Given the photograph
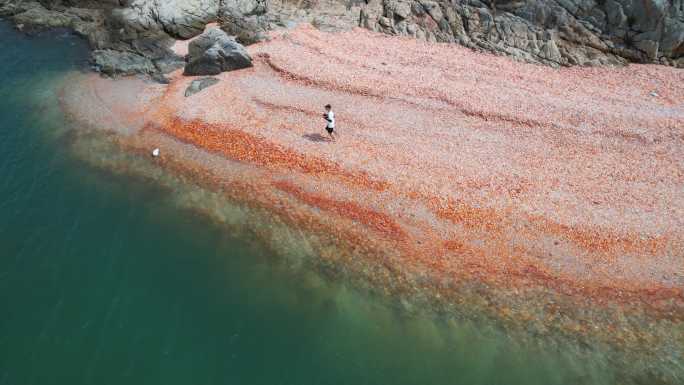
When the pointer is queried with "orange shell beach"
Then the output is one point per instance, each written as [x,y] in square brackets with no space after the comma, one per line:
[542,190]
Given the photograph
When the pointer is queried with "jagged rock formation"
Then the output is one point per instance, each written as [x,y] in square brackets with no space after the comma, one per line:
[131,36]
[556,32]
[244,19]
[181,19]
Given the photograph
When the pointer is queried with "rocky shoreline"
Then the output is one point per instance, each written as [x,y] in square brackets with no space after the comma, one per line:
[135,36]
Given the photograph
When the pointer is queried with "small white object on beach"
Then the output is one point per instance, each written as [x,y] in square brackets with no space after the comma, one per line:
[654,94]
[155,152]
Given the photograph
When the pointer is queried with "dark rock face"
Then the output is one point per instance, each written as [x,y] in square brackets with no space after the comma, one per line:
[214,52]
[198,85]
[118,48]
[113,63]
[551,32]
[554,32]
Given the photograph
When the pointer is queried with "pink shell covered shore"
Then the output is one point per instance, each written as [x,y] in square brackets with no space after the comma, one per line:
[468,164]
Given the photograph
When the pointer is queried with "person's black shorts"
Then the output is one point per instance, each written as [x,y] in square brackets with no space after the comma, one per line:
[329,129]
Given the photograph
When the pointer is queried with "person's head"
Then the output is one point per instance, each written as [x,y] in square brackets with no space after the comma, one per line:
[328,107]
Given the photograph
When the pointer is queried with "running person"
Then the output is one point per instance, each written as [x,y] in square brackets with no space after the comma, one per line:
[330,118]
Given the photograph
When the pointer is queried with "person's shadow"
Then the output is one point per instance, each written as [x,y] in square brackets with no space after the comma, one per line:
[316,138]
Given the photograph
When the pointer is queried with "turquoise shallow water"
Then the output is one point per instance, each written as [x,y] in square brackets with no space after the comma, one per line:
[104,280]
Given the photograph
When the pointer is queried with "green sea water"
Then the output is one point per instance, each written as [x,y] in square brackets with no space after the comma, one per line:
[105,280]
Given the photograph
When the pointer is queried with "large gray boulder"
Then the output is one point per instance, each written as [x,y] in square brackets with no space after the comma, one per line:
[214,52]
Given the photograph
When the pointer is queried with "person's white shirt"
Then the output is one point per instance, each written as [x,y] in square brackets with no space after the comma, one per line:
[331,119]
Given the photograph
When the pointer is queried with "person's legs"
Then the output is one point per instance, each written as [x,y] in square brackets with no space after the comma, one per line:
[330,132]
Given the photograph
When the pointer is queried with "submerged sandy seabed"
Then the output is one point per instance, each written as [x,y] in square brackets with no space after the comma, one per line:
[450,164]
